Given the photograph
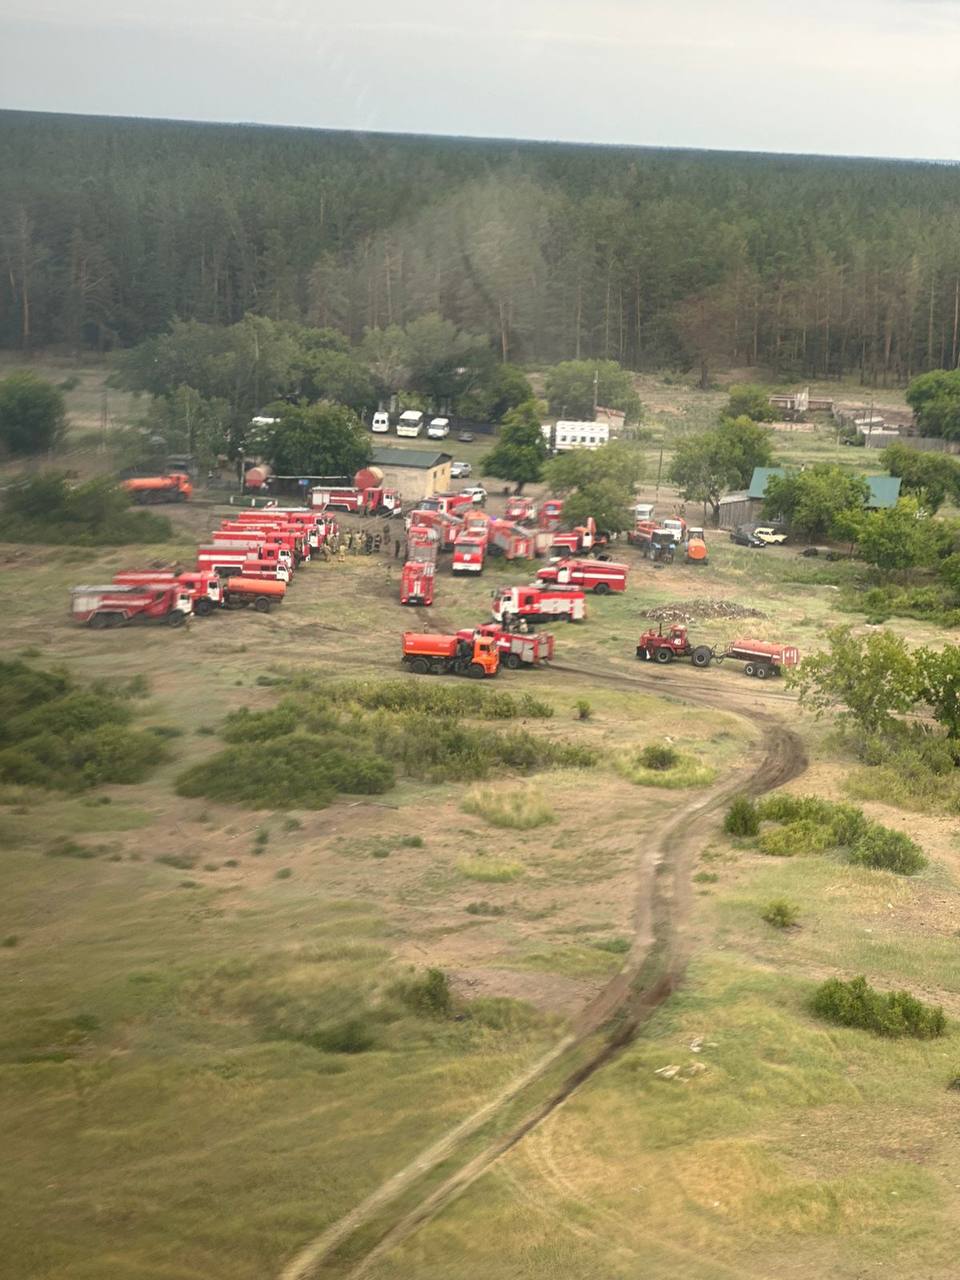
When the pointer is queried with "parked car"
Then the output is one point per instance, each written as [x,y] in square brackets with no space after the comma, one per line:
[477,492]
[770,534]
[466,437]
[460,470]
[744,536]
[381,422]
[438,429]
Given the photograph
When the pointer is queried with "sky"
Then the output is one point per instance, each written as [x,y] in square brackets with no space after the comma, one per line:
[841,77]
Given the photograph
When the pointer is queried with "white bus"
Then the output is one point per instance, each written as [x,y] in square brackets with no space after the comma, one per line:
[410,423]
[576,435]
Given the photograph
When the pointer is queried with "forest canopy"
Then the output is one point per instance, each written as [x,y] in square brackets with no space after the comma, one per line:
[113,229]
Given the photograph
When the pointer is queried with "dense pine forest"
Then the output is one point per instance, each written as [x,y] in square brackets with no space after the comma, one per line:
[111,229]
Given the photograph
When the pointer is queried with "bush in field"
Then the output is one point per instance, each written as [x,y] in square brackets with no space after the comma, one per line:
[660,766]
[434,700]
[54,734]
[888,850]
[522,809]
[780,914]
[742,818]
[658,756]
[298,771]
[893,1013]
[429,996]
[811,825]
[46,508]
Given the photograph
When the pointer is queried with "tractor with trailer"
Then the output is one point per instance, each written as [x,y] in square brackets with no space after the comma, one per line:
[476,655]
[537,604]
[599,576]
[760,658]
[120,606]
[517,648]
[147,490]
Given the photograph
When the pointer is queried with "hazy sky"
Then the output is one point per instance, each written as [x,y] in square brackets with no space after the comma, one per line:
[866,77]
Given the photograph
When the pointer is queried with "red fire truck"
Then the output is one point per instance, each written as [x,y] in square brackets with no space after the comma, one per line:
[521,510]
[469,551]
[416,582]
[598,576]
[224,561]
[551,513]
[362,502]
[451,504]
[205,588]
[537,604]
[447,527]
[517,648]
[510,540]
[583,538]
[119,606]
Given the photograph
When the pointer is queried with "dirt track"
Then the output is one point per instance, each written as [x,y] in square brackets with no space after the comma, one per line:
[654,967]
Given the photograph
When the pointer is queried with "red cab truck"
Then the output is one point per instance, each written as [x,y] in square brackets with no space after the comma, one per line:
[118,606]
[205,588]
[516,649]
[469,551]
[226,561]
[416,582]
[537,604]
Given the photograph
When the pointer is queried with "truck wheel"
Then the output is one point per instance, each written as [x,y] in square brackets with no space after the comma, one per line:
[663,655]
[762,671]
[176,618]
[512,660]
[748,669]
[421,666]
[702,656]
[203,607]
[602,589]
[262,604]
[475,671]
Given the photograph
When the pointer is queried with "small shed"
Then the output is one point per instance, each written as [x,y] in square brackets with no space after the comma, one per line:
[416,473]
[745,505]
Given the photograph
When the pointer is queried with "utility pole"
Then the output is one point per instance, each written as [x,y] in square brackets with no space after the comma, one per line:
[596,391]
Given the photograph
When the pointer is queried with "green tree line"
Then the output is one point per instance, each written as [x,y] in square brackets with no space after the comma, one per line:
[111,229]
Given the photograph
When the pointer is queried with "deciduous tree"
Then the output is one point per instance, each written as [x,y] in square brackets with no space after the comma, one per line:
[521,450]
[709,463]
[32,414]
[865,679]
[815,502]
[317,440]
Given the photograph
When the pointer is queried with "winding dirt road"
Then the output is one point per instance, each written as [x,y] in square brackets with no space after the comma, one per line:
[654,967]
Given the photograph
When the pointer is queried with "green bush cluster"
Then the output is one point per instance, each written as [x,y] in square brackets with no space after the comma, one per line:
[356,737]
[658,756]
[892,1013]
[935,603]
[59,735]
[429,996]
[435,700]
[46,508]
[807,824]
[780,914]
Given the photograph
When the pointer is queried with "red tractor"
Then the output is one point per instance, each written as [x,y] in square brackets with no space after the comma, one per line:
[654,646]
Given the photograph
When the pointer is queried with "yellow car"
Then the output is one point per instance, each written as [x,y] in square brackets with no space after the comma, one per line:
[769,534]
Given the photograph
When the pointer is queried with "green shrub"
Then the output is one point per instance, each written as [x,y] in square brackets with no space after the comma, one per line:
[298,771]
[48,508]
[66,848]
[685,771]
[780,913]
[182,861]
[429,996]
[351,1036]
[616,946]
[658,756]
[521,809]
[894,1013]
[881,848]
[411,842]
[795,839]
[284,873]
[583,709]
[292,824]
[483,909]
[10,940]
[742,818]
[489,870]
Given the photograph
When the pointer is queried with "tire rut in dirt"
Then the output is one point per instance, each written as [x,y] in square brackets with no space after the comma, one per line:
[655,968]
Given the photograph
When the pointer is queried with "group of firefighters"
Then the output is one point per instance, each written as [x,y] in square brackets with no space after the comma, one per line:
[360,542]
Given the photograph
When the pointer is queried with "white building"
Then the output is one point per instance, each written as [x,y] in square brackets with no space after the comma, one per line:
[576,435]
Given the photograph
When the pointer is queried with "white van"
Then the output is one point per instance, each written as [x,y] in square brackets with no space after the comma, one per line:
[410,423]
[381,421]
[439,428]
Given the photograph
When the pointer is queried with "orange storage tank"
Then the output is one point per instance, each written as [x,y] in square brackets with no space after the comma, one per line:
[697,551]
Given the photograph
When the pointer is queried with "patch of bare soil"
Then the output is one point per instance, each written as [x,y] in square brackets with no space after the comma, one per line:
[551,992]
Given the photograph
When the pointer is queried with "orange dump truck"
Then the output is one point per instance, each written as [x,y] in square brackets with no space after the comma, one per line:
[145,490]
[431,654]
